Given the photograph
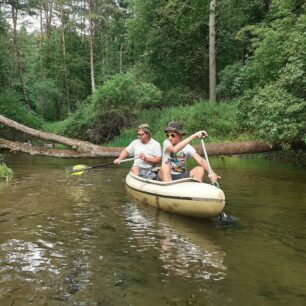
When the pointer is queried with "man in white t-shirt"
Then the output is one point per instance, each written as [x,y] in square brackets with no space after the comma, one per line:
[145,149]
[175,154]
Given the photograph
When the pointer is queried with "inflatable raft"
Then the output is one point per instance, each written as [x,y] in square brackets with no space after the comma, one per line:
[186,197]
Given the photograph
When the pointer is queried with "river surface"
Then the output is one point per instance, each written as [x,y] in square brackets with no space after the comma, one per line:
[79,240]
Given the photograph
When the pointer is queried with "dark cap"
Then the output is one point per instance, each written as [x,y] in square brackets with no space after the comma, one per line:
[144,127]
[175,127]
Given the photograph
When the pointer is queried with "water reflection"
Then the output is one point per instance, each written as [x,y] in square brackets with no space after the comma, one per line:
[182,251]
[25,256]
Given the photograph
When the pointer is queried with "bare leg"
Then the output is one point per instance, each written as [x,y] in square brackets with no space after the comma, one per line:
[165,173]
[197,173]
[135,170]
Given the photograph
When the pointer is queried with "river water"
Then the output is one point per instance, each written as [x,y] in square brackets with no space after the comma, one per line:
[79,240]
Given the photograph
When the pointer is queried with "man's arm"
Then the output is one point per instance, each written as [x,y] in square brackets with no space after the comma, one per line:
[184,143]
[203,163]
[124,154]
[153,160]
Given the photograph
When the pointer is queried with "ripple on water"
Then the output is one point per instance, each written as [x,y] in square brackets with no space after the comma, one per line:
[191,256]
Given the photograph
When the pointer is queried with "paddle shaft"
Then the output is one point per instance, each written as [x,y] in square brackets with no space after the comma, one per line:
[206,156]
[112,163]
[101,165]
[222,215]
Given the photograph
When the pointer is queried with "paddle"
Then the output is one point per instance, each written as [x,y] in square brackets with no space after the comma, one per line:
[79,169]
[222,217]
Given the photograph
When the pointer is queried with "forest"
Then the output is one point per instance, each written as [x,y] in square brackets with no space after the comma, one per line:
[94,69]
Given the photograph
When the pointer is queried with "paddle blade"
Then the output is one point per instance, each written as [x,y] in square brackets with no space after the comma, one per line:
[78,167]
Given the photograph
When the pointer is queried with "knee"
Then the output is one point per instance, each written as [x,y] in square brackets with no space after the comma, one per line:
[197,172]
[200,170]
[135,170]
[165,172]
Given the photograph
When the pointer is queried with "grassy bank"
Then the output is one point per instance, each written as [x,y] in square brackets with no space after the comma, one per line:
[219,120]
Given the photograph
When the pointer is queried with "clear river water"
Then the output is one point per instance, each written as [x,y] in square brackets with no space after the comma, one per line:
[79,240]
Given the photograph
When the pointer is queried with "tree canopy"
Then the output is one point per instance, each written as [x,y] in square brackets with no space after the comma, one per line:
[85,61]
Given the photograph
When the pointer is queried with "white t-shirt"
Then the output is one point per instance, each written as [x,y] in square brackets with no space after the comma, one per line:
[150,149]
[177,161]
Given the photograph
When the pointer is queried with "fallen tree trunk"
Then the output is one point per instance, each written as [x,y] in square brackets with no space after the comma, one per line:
[87,149]
[247,147]
[15,146]
[79,145]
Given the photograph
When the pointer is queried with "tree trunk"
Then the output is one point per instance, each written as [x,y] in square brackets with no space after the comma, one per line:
[87,149]
[48,16]
[15,146]
[78,144]
[212,51]
[17,54]
[42,68]
[120,57]
[91,46]
[65,59]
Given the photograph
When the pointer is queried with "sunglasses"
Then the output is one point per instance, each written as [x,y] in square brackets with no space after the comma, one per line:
[171,135]
[140,134]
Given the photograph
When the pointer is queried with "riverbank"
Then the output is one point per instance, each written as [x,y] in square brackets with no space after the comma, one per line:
[219,120]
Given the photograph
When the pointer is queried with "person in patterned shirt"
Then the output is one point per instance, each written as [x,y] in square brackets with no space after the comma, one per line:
[176,151]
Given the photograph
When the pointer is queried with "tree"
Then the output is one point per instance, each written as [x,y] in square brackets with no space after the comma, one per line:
[91,44]
[212,51]
[16,6]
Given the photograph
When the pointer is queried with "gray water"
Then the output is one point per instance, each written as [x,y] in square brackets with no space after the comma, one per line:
[79,240]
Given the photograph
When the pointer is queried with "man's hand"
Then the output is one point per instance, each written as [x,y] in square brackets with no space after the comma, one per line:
[117,161]
[202,134]
[214,177]
[142,156]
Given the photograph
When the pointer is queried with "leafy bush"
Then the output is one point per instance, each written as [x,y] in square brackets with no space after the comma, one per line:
[178,96]
[51,93]
[12,107]
[76,124]
[126,94]
[274,114]
[219,120]
[6,174]
[106,126]
[230,85]
[273,105]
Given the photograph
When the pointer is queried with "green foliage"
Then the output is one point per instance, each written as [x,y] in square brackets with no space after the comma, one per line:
[260,58]
[6,174]
[274,114]
[5,58]
[230,82]
[111,107]
[219,120]
[11,106]
[273,80]
[169,38]
[179,95]
[124,93]
[47,93]
[76,124]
